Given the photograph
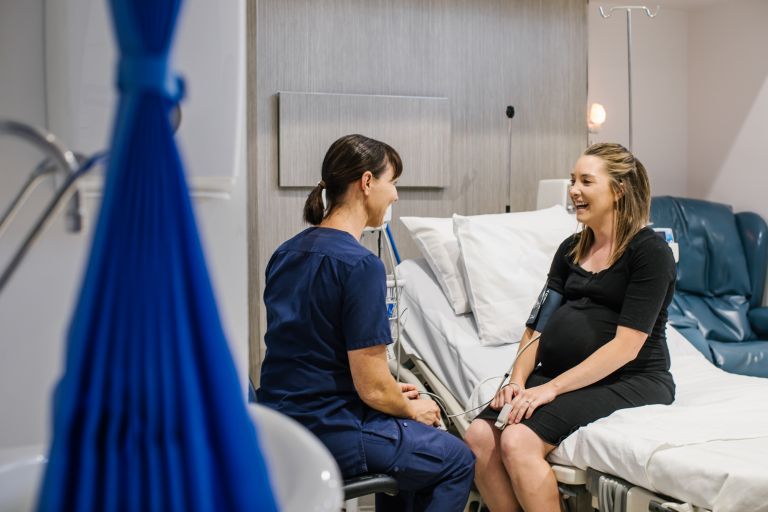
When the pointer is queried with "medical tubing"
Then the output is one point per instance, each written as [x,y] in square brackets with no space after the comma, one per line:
[501,384]
[440,404]
[392,242]
[391,258]
[480,384]
[444,408]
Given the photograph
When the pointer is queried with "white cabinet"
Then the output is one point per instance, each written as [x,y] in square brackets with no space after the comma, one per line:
[209,52]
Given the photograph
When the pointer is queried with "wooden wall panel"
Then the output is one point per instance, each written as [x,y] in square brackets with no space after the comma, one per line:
[480,54]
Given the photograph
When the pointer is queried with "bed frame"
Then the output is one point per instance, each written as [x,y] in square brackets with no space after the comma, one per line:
[580,489]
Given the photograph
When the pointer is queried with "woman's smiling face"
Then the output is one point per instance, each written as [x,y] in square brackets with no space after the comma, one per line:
[592,192]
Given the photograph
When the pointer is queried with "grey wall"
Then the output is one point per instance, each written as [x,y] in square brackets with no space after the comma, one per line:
[36,303]
[481,55]
[728,104]
[659,89]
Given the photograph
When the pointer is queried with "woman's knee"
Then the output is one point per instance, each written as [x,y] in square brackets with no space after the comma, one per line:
[480,438]
[519,444]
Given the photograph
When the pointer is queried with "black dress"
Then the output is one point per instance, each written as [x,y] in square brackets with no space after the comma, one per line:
[633,292]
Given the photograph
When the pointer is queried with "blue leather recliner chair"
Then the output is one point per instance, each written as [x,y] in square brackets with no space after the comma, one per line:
[720,281]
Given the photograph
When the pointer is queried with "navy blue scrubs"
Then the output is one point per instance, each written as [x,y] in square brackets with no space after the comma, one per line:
[325,295]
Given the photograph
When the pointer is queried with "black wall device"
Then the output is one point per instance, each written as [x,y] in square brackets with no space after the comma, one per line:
[510,115]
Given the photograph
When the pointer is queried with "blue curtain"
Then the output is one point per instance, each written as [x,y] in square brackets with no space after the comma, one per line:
[149,414]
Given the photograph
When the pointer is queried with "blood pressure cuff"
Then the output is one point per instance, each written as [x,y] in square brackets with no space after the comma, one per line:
[549,300]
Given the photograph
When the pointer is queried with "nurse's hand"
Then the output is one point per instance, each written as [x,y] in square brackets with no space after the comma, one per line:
[505,395]
[409,391]
[425,411]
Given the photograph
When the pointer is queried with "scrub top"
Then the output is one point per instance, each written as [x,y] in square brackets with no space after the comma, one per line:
[324,295]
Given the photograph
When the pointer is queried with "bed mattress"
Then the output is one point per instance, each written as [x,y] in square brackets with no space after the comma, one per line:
[709,448]
[447,342]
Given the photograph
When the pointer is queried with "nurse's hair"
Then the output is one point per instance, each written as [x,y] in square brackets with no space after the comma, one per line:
[630,181]
[345,162]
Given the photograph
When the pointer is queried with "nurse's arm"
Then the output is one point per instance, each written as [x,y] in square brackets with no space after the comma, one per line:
[604,361]
[379,390]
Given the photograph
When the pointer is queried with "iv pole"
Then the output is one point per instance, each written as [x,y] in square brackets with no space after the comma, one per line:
[629,9]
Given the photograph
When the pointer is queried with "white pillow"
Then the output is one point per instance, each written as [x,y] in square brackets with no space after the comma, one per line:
[506,258]
[440,248]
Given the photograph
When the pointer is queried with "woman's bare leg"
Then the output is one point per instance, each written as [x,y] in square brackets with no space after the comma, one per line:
[491,476]
[523,454]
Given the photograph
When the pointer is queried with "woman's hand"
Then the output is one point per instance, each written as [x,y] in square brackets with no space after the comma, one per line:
[529,399]
[409,391]
[505,395]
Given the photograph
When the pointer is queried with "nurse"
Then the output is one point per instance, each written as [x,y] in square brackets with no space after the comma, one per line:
[327,331]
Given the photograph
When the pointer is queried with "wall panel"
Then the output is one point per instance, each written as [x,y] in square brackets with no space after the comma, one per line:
[420,129]
[481,55]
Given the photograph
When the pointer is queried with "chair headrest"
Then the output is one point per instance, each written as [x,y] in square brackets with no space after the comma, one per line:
[712,261]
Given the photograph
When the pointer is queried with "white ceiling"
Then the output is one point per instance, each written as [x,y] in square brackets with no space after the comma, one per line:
[685,5]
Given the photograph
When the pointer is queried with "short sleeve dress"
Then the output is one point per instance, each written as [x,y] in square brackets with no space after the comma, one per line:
[633,292]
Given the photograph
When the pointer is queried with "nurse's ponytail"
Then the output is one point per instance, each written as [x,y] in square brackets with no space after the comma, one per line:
[345,162]
[314,211]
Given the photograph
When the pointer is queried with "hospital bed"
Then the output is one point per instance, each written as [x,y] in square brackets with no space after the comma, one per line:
[707,451]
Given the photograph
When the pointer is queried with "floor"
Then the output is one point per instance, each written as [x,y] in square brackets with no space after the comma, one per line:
[363,504]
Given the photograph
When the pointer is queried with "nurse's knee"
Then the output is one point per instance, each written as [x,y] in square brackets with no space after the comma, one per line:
[460,452]
[458,459]
[467,457]
[465,467]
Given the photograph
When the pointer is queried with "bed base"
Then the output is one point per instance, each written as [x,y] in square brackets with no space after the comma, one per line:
[581,490]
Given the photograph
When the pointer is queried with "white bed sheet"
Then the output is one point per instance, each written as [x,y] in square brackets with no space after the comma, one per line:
[709,448]
[447,342]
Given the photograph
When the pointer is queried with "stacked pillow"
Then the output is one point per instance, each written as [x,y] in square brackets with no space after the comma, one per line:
[440,247]
[493,265]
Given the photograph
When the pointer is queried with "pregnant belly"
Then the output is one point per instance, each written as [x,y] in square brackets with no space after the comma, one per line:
[573,333]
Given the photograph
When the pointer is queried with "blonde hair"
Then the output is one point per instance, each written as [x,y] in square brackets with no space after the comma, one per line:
[629,181]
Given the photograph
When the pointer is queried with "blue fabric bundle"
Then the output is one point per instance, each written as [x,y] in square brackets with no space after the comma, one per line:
[149,414]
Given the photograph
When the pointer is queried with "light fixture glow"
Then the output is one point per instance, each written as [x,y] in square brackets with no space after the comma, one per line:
[596,117]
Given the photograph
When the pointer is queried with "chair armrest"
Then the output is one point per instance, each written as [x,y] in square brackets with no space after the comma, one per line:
[758,318]
[753,232]
[366,484]
[251,392]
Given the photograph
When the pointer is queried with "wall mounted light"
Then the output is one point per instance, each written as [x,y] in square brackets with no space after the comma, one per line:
[595,117]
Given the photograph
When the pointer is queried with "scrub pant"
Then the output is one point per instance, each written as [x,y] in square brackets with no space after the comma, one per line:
[433,469]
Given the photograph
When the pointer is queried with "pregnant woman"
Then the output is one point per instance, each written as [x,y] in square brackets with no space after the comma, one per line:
[603,346]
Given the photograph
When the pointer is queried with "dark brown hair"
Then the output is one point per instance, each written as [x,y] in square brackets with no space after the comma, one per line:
[630,180]
[345,162]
